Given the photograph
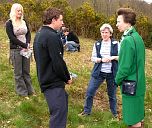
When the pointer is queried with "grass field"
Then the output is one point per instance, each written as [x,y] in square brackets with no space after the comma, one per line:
[16,112]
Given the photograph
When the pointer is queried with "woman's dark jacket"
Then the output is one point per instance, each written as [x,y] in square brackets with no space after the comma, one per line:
[114,52]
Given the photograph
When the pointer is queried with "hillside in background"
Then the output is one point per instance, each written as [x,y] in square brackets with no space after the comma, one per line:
[109,7]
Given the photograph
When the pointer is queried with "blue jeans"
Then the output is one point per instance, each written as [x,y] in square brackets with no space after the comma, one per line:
[72,46]
[111,90]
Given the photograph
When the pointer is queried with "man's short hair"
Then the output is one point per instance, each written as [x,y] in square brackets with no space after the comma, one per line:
[51,13]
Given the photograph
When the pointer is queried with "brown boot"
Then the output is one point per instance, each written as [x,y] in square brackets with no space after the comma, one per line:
[142,124]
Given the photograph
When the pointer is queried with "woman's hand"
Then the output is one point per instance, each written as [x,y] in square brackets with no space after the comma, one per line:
[106,60]
[69,81]
[114,58]
[99,60]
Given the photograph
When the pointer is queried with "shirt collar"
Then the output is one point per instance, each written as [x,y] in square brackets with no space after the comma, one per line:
[127,31]
[46,26]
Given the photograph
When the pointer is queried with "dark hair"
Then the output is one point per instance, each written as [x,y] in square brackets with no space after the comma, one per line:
[51,13]
[128,15]
[65,30]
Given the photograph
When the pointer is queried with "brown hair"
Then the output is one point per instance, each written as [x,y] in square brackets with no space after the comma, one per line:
[49,14]
[128,15]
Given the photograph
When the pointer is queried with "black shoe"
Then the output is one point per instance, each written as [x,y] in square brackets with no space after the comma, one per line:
[115,117]
[83,114]
[78,48]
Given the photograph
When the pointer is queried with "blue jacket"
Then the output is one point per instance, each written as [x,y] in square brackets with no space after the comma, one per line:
[114,52]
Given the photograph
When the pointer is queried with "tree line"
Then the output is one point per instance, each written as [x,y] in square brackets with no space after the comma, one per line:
[108,7]
[84,19]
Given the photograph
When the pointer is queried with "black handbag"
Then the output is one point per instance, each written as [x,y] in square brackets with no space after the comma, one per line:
[129,86]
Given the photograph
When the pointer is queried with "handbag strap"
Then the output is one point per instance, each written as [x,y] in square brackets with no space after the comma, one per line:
[136,57]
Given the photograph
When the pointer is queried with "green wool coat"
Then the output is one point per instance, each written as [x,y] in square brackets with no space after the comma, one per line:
[132,106]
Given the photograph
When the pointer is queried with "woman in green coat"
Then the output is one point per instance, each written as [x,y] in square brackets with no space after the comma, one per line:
[132,106]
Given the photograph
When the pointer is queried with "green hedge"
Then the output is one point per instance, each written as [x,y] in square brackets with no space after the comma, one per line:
[83,20]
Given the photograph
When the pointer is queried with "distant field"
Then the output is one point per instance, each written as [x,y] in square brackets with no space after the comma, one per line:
[16,112]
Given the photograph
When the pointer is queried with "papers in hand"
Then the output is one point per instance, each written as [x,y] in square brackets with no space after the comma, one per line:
[26,53]
[73,75]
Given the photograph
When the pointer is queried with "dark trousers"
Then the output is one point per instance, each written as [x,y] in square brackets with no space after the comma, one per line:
[57,100]
[22,73]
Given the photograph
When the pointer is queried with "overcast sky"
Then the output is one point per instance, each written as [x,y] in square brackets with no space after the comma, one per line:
[148,1]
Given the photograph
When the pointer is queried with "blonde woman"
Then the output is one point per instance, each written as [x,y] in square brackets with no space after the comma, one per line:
[19,37]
